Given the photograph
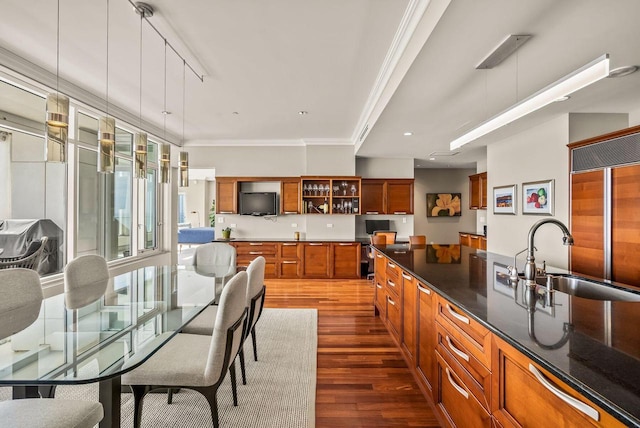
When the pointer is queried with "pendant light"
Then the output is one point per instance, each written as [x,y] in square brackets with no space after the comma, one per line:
[141,137]
[57,114]
[107,126]
[184,156]
[165,149]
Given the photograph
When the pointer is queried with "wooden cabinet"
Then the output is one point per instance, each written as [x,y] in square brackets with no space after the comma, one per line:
[289,260]
[587,223]
[524,394]
[425,334]
[345,259]
[330,195]
[380,279]
[290,196]
[387,196]
[315,258]
[394,300]
[409,309]
[473,240]
[226,196]
[478,191]
[247,251]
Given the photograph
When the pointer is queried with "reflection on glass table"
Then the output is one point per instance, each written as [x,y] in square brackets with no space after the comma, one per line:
[140,311]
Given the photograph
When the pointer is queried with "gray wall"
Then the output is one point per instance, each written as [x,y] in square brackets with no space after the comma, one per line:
[443,230]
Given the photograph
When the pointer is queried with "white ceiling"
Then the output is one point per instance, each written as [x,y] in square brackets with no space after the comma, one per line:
[267,60]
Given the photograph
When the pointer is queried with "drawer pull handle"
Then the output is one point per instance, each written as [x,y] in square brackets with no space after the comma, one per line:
[346,244]
[255,243]
[291,212]
[316,244]
[473,237]
[288,244]
[372,212]
[424,290]
[464,236]
[379,256]
[457,387]
[407,277]
[289,262]
[576,404]
[457,315]
[399,212]
[255,252]
[391,301]
[379,286]
[225,212]
[391,283]
[456,351]
[391,265]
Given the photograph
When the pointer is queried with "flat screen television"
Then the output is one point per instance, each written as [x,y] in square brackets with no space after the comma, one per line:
[373,225]
[258,203]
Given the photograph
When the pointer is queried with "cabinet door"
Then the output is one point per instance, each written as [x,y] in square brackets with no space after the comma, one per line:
[587,223]
[474,192]
[483,191]
[289,260]
[409,299]
[226,196]
[425,361]
[290,196]
[315,260]
[373,201]
[346,260]
[399,196]
[523,394]
[625,224]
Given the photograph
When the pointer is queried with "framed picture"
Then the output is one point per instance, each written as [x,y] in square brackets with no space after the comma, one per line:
[537,197]
[444,204]
[504,199]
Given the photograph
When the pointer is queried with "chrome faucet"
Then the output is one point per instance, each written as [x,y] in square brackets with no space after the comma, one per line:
[530,271]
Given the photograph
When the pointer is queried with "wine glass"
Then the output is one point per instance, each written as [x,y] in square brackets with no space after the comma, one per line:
[327,189]
[344,188]
[315,190]
[305,189]
[349,205]
[335,189]
[353,190]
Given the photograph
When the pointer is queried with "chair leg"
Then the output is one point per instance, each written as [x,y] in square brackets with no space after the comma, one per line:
[234,387]
[139,391]
[242,371]
[253,340]
[211,395]
[169,396]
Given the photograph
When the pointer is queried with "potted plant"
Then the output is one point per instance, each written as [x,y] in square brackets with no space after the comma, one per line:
[212,214]
[226,233]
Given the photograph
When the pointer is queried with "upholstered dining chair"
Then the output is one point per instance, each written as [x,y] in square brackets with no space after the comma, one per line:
[216,259]
[418,240]
[85,280]
[209,358]
[391,235]
[375,240]
[19,308]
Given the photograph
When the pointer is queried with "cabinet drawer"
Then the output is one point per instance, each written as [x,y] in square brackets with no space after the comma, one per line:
[476,377]
[270,270]
[381,297]
[288,268]
[256,248]
[289,251]
[454,400]
[473,336]
[394,287]
[394,315]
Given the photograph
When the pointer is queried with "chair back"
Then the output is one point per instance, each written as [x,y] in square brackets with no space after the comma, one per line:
[30,259]
[21,300]
[255,290]
[85,280]
[379,240]
[391,235]
[228,328]
[215,258]
[418,240]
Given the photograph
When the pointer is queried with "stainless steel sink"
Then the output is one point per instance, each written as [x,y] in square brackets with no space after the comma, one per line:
[590,289]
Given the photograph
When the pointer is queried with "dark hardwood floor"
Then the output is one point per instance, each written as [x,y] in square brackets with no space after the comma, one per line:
[363,381]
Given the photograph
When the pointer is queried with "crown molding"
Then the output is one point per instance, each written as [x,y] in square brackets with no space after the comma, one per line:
[303,142]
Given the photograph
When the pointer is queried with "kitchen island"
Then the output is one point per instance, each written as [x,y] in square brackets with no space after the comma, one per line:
[467,332]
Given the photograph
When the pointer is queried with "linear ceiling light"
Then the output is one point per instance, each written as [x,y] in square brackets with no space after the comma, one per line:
[584,76]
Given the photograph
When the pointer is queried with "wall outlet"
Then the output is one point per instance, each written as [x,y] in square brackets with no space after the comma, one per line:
[294,224]
[220,219]
[329,225]
[404,219]
[482,219]
[233,225]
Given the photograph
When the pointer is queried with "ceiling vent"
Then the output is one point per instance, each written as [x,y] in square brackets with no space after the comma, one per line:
[442,154]
[508,46]
[364,132]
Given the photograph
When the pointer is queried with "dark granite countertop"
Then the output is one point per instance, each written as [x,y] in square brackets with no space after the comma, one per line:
[286,240]
[600,355]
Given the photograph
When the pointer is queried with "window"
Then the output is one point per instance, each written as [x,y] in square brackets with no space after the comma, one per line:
[182,213]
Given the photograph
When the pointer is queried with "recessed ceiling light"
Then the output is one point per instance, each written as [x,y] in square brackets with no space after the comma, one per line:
[165,112]
[303,112]
[408,134]
[432,158]
[418,165]
[234,112]
[623,71]
[559,100]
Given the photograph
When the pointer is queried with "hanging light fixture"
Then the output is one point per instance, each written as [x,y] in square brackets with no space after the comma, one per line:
[57,114]
[141,137]
[165,149]
[184,156]
[107,127]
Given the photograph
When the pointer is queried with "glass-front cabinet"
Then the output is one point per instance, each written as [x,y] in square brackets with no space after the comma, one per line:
[330,195]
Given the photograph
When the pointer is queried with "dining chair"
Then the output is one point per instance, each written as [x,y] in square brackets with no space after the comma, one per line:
[418,240]
[374,240]
[391,235]
[194,361]
[19,308]
[217,259]
[85,280]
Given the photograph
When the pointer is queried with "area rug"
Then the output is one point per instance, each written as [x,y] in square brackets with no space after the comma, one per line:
[280,390]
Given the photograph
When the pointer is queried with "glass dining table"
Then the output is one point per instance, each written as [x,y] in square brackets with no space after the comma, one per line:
[141,311]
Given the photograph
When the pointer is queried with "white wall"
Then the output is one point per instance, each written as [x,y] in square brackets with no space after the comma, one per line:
[384,167]
[443,230]
[587,125]
[330,160]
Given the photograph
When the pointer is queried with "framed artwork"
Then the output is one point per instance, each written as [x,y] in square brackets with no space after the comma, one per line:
[444,204]
[537,197]
[504,199]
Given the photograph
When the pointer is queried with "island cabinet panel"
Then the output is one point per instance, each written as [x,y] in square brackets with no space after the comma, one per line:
[380,280]
[290,196]
[409,309]
[316,260]
[455,402]
[425,358]
[394,300]
[399,196]
[345,259]
[289,260]
[226,196]
[525,395]
[373,196]
[625,224]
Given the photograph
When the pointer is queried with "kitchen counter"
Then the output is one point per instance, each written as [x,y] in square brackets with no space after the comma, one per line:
[285,240]
[593,346]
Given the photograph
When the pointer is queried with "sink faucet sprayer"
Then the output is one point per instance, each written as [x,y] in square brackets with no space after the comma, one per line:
[530,267]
